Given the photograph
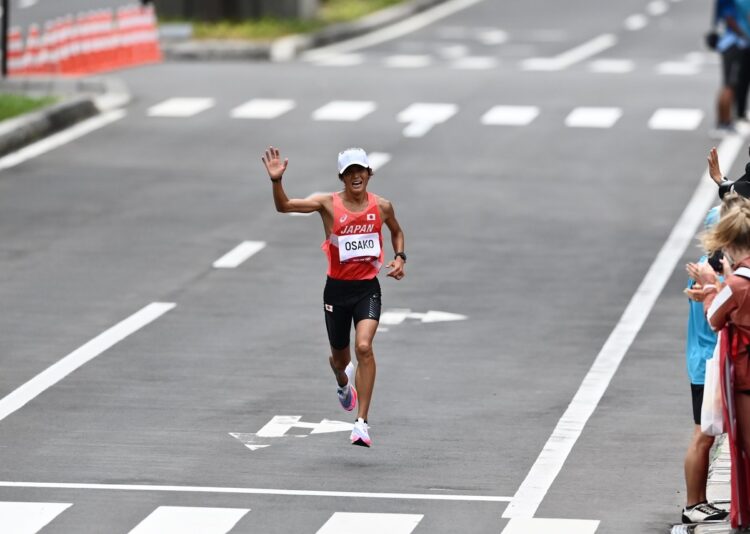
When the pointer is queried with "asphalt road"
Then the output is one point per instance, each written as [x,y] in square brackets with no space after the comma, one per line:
[539,234]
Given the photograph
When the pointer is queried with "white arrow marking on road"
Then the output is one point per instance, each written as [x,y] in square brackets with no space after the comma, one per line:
[438,317]
[422,117]
[248,440]
[327,426]
[279,425]
[399,315]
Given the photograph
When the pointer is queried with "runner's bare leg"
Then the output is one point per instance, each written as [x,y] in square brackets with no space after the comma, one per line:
[365,379]
[339,359]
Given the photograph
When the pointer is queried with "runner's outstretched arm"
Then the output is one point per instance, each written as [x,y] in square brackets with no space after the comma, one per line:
[275,168]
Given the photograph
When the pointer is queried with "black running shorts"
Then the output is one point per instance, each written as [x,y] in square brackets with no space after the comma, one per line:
[347,300]
[697,391]
[732,60]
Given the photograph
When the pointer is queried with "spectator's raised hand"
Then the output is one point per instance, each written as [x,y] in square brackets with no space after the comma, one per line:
[713,166]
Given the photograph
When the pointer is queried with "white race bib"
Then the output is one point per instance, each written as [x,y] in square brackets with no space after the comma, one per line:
[359,247]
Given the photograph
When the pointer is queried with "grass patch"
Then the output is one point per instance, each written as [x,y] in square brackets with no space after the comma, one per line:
[331,11]
[14,105]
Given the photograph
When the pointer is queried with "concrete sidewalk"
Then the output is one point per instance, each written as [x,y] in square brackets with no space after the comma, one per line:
[79,99]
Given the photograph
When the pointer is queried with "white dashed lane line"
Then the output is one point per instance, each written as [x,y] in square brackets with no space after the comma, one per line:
[239,254]
[593,117]
[181,107]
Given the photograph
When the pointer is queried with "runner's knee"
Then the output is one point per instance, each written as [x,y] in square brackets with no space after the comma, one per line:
[364,349]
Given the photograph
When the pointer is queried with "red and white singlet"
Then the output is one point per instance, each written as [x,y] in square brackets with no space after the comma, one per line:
[355,246]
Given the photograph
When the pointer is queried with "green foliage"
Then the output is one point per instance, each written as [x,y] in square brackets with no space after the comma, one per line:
[14,105]
[331,11]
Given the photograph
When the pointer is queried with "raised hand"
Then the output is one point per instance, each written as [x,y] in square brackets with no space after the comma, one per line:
[274,166]
[713,166]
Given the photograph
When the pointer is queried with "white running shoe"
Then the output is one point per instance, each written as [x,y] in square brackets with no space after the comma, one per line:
[360,434]
[348,394]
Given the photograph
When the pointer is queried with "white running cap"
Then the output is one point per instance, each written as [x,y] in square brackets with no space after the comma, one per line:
[353,156]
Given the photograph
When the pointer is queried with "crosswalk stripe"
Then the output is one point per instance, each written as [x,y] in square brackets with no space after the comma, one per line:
[262,108]
[341,60]
[678,68]
[181,107]
[407,61]
[182,519]
[636,22]
[510,115]
[675,119]
[344,110]
[423,116]
[475,63]
[239,254]
[29,517]
[614,66]
[657,8]
[593,117]
[345,523]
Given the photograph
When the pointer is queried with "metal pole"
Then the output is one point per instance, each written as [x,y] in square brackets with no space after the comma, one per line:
[4,36]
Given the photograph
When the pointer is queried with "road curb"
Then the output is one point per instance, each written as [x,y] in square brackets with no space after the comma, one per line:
[81,100]
[287,48]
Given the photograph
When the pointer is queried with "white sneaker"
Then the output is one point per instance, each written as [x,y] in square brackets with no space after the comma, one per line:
[360,434]
[703,512]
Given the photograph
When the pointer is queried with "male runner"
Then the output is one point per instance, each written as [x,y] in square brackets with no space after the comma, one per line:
[352,222]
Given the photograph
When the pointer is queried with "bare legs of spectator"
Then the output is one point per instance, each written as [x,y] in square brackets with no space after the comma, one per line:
[696,466]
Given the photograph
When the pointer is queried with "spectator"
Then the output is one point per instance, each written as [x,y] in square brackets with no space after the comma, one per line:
[733,46]
[727,308]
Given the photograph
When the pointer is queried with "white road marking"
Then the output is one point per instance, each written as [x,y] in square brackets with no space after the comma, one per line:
[657,8]
[344,110]
[61,138]
[552,458]
[341,60]
[181,107]
[636,22]
[572,56]
[239,254]
[183,519]
[545,526]
[612,66]
[24,4]
[399,315]
[346,523]
[29,517]
[407,61]
[492,37]
[255,491]
[422,117]
[378,160]
[455,51]
[675,119]
[510,115]
[87,352]
[475,63]
[262,108]
[678,68]
[393,31]
[593,117]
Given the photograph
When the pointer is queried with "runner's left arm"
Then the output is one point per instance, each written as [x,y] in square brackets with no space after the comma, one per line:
[396,265]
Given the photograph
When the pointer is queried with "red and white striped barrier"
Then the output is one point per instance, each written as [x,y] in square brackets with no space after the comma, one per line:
[91,42]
